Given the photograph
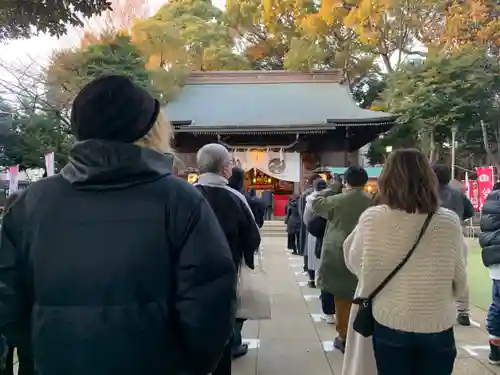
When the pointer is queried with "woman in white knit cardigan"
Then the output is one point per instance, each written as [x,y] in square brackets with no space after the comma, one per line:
[415,312]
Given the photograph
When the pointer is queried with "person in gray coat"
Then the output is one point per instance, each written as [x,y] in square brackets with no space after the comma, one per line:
[454,200]
[303,229]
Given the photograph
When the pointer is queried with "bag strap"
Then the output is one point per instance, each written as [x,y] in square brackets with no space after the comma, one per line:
[404,261]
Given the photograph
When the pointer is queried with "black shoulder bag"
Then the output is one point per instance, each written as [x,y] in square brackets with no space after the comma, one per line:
[364,321]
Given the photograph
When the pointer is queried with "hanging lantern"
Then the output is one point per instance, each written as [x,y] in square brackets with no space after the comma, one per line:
[192,178]
[257,156]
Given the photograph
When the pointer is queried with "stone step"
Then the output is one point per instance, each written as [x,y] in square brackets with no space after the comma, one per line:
[274,234]
[274,223]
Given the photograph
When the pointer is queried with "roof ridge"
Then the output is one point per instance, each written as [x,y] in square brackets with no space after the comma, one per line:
[263,76]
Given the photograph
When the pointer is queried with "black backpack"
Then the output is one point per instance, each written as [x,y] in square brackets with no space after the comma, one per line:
[316,226]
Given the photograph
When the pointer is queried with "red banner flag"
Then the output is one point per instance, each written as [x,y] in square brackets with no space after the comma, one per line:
[484,184]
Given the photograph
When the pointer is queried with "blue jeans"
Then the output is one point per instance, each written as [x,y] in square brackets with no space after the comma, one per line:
[327,303]
[408,353]
[493,318]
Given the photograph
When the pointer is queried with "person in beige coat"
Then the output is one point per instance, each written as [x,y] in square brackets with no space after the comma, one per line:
[358,358]
[414,313]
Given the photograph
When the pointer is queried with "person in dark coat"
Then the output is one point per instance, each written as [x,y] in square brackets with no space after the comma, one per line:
[292,218]
[23,346]
[121,266]
[489,240]
[237,180]
[292,238]
[454,200]
[257,206]
[236,219]
[267,198]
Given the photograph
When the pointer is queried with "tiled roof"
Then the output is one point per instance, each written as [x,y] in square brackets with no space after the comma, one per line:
[268,105]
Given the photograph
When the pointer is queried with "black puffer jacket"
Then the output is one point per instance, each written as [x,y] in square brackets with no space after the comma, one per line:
[489,239]
[123,268]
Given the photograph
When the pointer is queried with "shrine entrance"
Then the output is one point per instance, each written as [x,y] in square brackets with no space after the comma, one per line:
[277,171]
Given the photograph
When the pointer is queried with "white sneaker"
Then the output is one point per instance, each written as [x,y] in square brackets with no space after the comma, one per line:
[330,319]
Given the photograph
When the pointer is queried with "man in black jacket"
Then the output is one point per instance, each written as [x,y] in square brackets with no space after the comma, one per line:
[257,206]
[454,200]
[120,267]
[234,216]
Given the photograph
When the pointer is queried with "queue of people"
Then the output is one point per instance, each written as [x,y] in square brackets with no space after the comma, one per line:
[115,266]
[392,268]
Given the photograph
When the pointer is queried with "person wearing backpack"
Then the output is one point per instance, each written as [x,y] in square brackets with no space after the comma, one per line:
[316,226]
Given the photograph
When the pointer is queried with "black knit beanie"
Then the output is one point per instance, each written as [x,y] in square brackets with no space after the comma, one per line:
[113,108]
[319,184]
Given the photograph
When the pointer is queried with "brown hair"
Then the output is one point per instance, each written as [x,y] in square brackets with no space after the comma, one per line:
[408,183]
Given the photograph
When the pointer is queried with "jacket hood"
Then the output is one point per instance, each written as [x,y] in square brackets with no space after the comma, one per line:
[106,165]
[311,196]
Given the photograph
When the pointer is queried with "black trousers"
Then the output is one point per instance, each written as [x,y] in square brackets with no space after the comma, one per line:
[268,214]
[224,366]
[9,368]
[292,243]
[327,303]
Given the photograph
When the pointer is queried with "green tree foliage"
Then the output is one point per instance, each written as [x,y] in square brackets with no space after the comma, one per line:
[18,18]
[27,135]
[457,90]
[119,56]
[191,33]
[33,136]
[70,70]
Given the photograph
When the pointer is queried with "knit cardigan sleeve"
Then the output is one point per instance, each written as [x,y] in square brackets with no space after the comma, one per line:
[460,278]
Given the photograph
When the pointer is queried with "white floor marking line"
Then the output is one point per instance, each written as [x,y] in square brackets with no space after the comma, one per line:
[328,346]
[310,297]
[474,323]
[252,343]
[316,318]
[298,273]
[296,265]
[473,349]
[302,283]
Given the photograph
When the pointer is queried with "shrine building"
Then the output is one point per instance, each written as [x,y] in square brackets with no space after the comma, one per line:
[279,125]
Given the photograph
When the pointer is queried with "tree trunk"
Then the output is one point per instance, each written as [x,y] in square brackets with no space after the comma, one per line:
[387,62]
[487,148]
[432,146]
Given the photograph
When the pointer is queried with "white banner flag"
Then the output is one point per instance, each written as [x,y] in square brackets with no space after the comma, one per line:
[49,164]
[13,179]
